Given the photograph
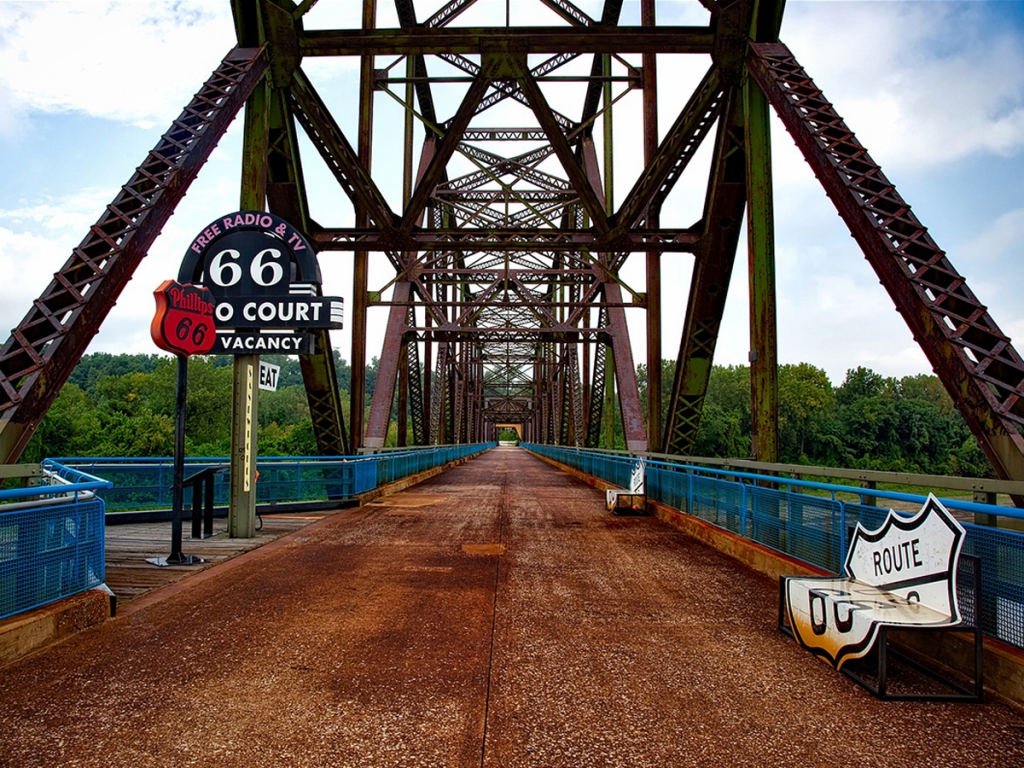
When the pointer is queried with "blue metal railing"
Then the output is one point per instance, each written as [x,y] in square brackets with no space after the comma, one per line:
[790,515]
[145,483]
[51,539]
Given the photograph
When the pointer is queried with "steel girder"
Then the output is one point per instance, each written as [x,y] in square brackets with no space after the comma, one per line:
[422,41]
[723,217]
[286,196]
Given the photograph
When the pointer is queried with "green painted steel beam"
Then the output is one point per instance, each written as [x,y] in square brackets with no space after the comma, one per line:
[764,358]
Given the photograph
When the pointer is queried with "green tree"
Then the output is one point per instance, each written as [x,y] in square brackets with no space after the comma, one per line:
[806,408]
[287,406]
[67,429]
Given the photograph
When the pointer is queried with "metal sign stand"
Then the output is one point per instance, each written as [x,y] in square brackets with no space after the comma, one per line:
[183,325]
[177,557]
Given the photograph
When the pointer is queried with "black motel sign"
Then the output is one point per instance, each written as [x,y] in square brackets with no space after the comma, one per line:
[265,282]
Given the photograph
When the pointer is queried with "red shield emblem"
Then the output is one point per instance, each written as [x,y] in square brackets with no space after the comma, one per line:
[183,323]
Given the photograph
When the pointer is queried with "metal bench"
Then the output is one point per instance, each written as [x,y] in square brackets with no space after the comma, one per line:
[908,577]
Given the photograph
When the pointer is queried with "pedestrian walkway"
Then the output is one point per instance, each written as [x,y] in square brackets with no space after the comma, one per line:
[495,615]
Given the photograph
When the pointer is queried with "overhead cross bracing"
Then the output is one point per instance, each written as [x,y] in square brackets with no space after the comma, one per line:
[519,230]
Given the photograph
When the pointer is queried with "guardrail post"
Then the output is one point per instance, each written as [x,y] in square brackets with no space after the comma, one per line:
[197,509]
[985,497]
[689,492]
[208,507]
[743,508]
[842,528]
[867,499]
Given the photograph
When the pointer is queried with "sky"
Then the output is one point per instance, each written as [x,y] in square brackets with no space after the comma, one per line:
[933,89]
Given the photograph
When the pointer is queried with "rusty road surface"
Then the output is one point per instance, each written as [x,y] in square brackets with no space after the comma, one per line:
[495,615]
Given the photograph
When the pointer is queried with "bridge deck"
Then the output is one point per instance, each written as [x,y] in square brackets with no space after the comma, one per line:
[493,616]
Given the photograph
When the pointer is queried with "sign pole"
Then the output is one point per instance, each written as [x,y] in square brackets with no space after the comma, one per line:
[177,557]
[183,325]
[244,404]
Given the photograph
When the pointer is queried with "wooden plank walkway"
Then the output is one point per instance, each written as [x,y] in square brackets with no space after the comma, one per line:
[129,546]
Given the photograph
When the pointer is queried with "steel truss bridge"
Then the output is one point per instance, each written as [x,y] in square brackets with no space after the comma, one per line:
[507,303]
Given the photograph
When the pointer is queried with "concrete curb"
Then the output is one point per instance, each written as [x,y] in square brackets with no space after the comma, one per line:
[27,632]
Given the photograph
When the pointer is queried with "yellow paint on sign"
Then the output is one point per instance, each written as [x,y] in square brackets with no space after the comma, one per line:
[247,461]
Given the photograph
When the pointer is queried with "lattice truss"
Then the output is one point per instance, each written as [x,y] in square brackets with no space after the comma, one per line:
[507,241]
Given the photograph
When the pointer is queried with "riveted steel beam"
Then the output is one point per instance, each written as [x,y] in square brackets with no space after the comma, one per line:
[577,175]
[343,161]
[498,239]
[764,356]
[716,253]
[529,40]
[387,371]
[443,152]
[286,196]
[653,258]
[681,142]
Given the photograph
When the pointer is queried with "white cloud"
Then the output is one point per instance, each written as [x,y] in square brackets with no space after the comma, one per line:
[921,84]
[1002,239]
[133,62]
[27,262]
[76,212]
[992,265]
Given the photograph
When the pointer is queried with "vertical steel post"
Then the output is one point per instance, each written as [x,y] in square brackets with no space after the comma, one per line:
[609,135]
[585,365]
[388,367]
[764,381]
[244,397]
[625,372]
[608,412]
[403,392]
[360,271]
[410,72]
[242,508]
[650,114]
[428,378]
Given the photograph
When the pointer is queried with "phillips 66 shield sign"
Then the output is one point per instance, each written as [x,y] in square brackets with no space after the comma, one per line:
[183,323]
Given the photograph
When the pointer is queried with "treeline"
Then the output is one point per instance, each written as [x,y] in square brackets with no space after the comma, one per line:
[123,405]
[868,421]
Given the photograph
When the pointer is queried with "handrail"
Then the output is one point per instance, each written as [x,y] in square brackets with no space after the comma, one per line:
[974,484]
[143,483]
[966,506]
[63,486]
